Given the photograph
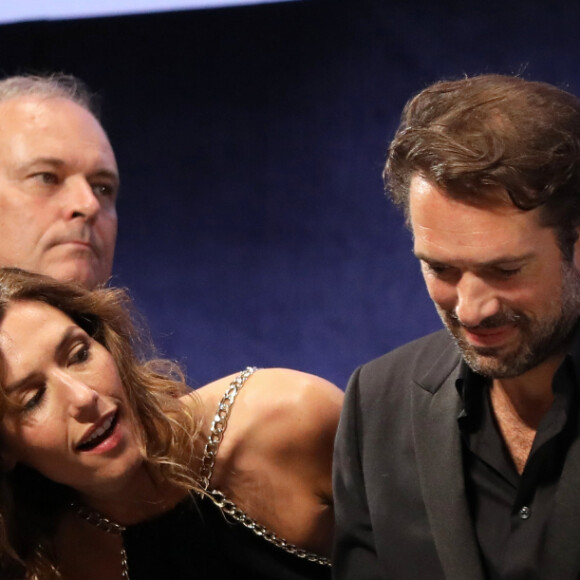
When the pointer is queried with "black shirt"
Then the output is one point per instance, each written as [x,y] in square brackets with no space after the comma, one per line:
[511,511]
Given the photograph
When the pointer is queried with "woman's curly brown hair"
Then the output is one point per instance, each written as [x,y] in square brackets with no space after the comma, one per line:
[30,505]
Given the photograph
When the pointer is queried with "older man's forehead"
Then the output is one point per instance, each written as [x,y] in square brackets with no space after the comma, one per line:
[37,128]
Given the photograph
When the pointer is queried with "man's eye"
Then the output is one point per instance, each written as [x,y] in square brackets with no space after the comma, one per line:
[436,269]
[46,178]
[508,272]
[104,190]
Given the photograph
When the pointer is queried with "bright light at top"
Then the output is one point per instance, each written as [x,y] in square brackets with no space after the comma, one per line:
[14,11]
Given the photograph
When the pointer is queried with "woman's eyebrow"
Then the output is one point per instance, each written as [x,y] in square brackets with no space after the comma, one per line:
[68,334]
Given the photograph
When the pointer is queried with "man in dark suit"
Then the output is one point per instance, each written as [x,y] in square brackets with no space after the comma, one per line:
[458,455]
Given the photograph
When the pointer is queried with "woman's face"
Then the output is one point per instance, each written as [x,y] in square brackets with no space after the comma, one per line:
[75,426]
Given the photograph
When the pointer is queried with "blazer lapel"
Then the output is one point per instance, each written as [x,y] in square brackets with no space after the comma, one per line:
[437,438]
[562,548]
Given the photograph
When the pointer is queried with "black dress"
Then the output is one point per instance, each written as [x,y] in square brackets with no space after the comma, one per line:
[195,541]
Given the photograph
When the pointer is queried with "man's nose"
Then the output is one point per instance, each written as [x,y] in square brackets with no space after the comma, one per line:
[80,199]
[476,301]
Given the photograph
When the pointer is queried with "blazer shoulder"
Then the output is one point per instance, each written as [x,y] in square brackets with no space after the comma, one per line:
[427,361]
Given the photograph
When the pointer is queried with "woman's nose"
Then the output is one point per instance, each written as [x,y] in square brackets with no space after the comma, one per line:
[82,399]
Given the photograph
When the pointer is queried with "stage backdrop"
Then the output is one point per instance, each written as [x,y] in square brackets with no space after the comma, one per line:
[251,141]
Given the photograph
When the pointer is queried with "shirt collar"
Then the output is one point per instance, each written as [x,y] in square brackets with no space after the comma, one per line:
[471,385]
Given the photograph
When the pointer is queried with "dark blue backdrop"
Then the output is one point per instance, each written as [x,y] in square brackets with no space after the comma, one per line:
[253,227]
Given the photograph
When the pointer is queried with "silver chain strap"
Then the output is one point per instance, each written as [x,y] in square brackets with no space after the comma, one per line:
[99,521]
[217,429]
[227,506]
[219,424]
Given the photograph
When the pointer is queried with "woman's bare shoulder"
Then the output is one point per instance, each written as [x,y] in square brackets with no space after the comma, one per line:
[284,415]
[211,394]
[275,458]
[304,400]
[276,393]
[276,410]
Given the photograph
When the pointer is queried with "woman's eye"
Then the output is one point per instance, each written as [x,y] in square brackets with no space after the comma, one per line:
[80,355]
[34,401]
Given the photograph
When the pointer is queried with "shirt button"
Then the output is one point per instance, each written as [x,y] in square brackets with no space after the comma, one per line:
[525,512]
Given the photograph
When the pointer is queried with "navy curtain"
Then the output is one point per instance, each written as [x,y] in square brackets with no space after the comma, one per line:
[251,140]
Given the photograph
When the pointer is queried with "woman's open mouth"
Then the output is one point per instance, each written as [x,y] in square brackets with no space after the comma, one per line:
[101,434]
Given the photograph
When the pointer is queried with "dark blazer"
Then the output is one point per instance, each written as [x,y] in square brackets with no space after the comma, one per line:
[400,503]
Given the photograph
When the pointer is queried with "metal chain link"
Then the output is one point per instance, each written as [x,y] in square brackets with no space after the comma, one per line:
[110,527]
[219,424]
[228,507]
[218,427]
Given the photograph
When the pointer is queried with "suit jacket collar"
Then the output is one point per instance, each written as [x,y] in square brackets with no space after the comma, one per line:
[436,405]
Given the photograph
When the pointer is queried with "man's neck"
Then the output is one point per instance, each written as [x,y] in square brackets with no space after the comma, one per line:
[529,395]
[520,403]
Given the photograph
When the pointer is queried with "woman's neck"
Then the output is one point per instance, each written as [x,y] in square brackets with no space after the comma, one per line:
[141,498]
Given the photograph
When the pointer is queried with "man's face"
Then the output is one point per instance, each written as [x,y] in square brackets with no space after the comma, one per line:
[497,278]
[58,188]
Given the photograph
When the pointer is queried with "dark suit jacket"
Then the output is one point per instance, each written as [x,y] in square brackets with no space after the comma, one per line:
[400,503]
